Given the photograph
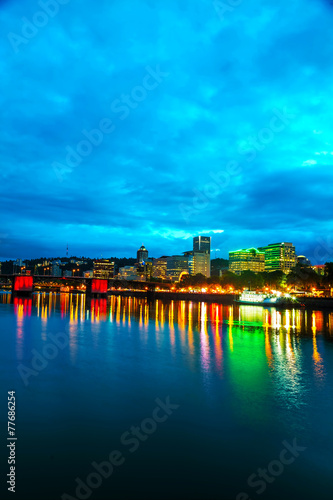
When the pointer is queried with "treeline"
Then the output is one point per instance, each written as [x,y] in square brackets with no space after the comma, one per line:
[302,277]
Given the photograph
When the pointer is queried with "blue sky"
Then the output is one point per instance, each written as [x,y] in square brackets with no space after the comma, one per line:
[207,118]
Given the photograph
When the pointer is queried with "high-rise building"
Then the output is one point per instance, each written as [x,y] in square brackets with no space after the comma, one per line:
[198,263]
[104,268]
[177,265]
[201,244]
[142,255]
[159,268]
[247,259]
[279,257]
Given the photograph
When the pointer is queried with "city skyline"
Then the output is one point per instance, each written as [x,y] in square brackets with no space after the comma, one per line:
[165,125]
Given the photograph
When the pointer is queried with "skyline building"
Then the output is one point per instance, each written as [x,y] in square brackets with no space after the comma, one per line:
[247,259]
[198,263]
[103,268]
[177,266]
[129,273]
[279,257]
[201,255]
[202,244]
[142,255]
[159,268]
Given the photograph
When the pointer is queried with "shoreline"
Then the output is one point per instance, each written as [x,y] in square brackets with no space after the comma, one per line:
[227,299]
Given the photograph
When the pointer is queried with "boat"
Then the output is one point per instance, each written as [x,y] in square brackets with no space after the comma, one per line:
[266,299]
[248,297]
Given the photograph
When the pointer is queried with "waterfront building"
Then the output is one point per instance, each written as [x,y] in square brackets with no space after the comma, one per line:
[247,259]
[159,268]
[201,255]
[303,261]
[55,270]
[104,268]
[129,273]
[177,266]
[279,257]
[198,263]
[142,255]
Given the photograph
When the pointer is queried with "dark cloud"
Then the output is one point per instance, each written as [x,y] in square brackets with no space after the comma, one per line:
[225,80]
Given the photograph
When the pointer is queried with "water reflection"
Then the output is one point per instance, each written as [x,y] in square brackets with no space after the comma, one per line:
[247,343]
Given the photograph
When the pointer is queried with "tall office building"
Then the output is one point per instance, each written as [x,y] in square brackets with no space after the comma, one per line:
[177,265]
[247,259]
[103,268]
[201,255]
[279,257]
[159,268]
[198,263]
[142,255]
[201,244]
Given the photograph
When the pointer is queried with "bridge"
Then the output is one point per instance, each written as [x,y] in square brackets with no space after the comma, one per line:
[26,284]
[22,284]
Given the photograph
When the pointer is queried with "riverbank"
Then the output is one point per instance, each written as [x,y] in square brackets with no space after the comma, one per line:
[228,299]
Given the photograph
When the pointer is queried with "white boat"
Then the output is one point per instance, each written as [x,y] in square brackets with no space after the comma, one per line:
[265,299]
[248,297]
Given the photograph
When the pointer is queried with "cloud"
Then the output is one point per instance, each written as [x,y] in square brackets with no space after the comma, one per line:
[225,79]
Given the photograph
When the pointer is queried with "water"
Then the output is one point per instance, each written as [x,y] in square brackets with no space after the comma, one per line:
[245,383]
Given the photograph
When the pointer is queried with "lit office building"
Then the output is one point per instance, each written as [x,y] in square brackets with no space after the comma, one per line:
[142,255]
[198,263]
[247,259]
[129,273]
[55,270]
[201,255]
[159,268]
[104,269]
[177,266]
[279,257]
[201,244]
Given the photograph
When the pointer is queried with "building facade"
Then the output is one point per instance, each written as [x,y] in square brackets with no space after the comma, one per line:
[129,273]
[177,266]
[279,257]
[201,244]
[55,270]
[142,255]
[198,263]
[104,269]
[201,255]
[159,268]
[247,259]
